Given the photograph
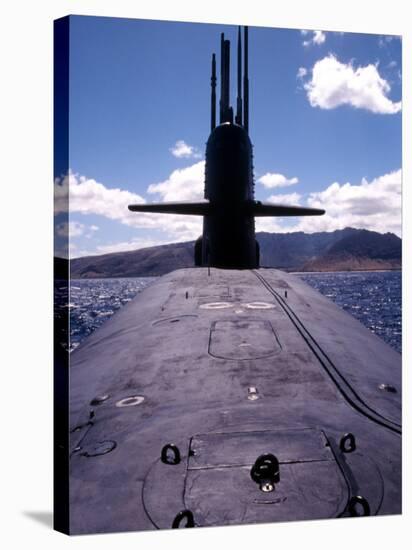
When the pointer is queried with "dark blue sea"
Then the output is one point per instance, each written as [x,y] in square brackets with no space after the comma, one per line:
[93,301]
[372,297]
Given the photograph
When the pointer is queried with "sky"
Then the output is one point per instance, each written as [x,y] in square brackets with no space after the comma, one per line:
[325,123]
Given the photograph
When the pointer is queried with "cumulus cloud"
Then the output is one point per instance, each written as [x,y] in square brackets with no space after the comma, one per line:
[184,184]
[334,84]
[91,231]
[317,37]
[302,71]
[87,196]
[291,199]
[374,205]
[271,225]
[124,246]
[73,229]
[183,150]
[271,180]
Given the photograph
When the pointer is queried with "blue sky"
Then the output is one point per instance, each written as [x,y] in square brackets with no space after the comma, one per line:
[325,122]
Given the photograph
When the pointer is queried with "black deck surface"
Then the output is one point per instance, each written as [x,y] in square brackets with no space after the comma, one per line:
[228,366]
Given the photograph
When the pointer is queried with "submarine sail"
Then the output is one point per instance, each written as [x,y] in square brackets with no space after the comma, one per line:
[229,210]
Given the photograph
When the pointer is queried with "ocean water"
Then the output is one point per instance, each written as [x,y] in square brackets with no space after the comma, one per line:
[374,298]
[93,301]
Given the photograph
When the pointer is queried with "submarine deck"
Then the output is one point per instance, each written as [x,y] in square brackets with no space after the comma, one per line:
[227,365]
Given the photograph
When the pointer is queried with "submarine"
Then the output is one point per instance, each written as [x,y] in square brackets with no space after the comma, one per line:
[228,393]
[229,208]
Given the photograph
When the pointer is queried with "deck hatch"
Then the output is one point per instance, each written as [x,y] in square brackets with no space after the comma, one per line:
[219,488]
[243,339]
[242,448]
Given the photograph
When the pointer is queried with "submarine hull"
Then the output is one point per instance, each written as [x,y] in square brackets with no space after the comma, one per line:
[174,399]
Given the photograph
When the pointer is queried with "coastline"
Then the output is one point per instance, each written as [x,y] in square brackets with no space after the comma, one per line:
[346,271]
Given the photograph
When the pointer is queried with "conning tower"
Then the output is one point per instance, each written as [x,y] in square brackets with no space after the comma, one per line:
[229,208]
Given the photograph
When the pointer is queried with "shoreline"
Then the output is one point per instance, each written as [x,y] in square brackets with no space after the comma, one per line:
[346,271]
[280,269]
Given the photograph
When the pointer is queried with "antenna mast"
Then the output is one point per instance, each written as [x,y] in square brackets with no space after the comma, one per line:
[213,99]
[238,118]
[246,84]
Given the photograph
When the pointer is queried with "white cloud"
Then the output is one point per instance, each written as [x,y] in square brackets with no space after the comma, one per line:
[302,71]
[184,184]
[318,37]
[86,196]
[290,199]
[133,244]
[183,150]
[74,229]
[270,180]
[334,84]
[374,205]
[271,225]
[91,231]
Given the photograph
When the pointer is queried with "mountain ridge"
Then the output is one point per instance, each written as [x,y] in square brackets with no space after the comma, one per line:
[341,250]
